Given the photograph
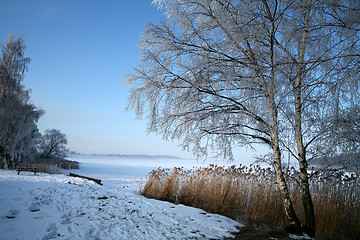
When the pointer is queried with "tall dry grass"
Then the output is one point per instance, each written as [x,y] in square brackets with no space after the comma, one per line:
[251,195]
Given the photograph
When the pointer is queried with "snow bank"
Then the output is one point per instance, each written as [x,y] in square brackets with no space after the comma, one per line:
[60,207]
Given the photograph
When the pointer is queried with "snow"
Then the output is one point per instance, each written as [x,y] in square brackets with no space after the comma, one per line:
[45,206]
[304,236]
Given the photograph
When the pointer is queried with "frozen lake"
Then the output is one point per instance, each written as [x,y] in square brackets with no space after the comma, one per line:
[128,170]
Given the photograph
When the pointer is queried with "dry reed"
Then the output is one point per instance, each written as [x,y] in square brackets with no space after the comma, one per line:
[251,195]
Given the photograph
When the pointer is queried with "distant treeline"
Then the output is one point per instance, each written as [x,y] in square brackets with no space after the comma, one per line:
[137,156]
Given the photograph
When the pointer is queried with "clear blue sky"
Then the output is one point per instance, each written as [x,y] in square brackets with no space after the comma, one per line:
[80,52]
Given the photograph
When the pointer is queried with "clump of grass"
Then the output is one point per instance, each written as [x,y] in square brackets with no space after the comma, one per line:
[251,195]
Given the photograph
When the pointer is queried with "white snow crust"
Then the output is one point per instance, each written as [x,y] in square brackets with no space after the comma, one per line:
[60,207]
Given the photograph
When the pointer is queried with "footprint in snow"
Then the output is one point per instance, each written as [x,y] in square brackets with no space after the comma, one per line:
[34,207]
[13,213]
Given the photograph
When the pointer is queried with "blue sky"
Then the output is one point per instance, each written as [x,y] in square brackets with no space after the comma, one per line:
[80,52]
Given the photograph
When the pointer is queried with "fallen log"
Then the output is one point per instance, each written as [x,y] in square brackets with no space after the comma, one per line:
[98,181]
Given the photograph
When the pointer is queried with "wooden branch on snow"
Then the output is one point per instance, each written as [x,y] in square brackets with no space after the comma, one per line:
[98,181]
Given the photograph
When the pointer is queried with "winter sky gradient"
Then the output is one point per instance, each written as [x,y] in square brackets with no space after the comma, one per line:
[80,52]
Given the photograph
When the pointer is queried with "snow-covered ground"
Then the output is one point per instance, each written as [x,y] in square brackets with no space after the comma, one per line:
[61,207]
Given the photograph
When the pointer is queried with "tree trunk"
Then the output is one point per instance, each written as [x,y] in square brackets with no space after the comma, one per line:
[309,226]
[291,220]
[98,181]
[5,163]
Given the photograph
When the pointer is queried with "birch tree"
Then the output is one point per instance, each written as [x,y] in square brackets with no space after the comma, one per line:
[221,73]
[18,117]
[324,74]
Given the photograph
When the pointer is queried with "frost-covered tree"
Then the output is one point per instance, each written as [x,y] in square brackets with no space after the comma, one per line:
[52,144]
[222,73]
[18,117]
[318,55]
[340,146]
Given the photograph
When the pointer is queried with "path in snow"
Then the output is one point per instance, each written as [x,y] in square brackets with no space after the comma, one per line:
[60,207]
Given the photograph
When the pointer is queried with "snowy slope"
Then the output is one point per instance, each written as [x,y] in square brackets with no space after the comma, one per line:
[61,207]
